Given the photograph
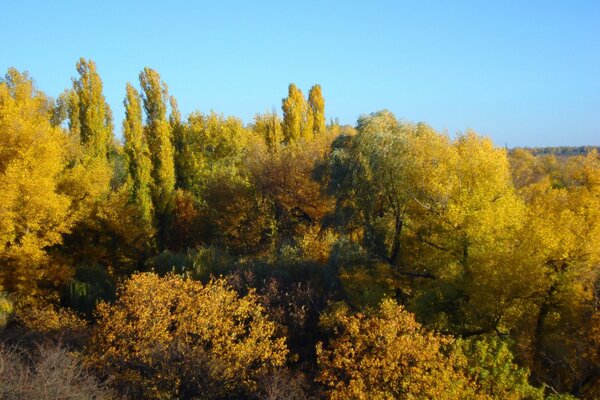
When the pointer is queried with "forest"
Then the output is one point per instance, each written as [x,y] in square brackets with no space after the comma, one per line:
[291,258]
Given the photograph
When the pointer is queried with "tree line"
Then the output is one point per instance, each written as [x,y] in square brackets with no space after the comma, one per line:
[288,258]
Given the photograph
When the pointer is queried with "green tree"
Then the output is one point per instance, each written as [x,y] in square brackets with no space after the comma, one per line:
[139,165]
[90,115]
[444,215]
[491,365]
[159,137]
[230,209]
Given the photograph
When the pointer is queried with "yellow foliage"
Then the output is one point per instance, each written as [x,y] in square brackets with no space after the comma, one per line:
[316,244]
[47,318]
[387,355]
[34,214]
[155,317]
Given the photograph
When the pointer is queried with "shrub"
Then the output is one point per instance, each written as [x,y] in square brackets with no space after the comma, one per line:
[386,355]
[52,373]
[174,337]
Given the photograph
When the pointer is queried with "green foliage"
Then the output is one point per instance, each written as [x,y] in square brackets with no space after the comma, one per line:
[139,165]
[90,115]
[158,135]
[491,365]
[201,263]
[6,308]
[89,286]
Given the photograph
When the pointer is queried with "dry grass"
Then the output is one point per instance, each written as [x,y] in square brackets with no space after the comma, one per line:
[51,373]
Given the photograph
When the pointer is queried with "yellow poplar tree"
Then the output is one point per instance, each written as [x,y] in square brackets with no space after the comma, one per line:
[316,104]
[297,123]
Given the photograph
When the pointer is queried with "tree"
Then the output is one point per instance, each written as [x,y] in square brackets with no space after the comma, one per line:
[181,147]
[491,366]
[90,115]
[316,104]
[286,179]
[159,137]
[229,209]
[443,214]
[139,165]
[564,226]
[386,355]
[297,123]
[34,212]
[176,337]
[268,126]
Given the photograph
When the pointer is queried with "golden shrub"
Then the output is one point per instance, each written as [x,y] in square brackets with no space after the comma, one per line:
[173,336]
[387,355]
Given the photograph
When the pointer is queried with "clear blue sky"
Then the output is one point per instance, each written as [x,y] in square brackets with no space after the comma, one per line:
[521,72]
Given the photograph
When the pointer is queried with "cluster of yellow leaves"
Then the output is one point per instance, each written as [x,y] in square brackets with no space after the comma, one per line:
[47,318]
[387,355]
[154,315]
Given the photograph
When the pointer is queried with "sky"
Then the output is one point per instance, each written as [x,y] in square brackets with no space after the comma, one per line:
[525,73]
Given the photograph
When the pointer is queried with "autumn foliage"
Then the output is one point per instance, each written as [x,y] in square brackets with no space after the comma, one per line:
[163,328]
[199,256]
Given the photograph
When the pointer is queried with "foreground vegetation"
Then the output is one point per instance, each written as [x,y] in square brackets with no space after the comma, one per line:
[287,259]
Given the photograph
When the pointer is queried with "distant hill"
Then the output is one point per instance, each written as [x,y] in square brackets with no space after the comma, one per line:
[562,151]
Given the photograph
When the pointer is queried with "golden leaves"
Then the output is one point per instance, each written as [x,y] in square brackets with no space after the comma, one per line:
[156,314]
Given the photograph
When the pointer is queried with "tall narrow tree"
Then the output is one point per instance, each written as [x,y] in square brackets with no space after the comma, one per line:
[294,115]
[90,115]
[139,166]
[159,136]
[316,106]
[180,145]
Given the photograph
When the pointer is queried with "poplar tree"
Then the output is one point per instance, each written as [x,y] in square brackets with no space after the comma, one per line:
[90,116]
[180,146]
[159,137]
[316,105]
[294,115]
[139,165]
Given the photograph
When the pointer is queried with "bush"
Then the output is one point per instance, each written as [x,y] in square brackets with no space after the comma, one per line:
[174,337]
[52,373]
[386,355]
